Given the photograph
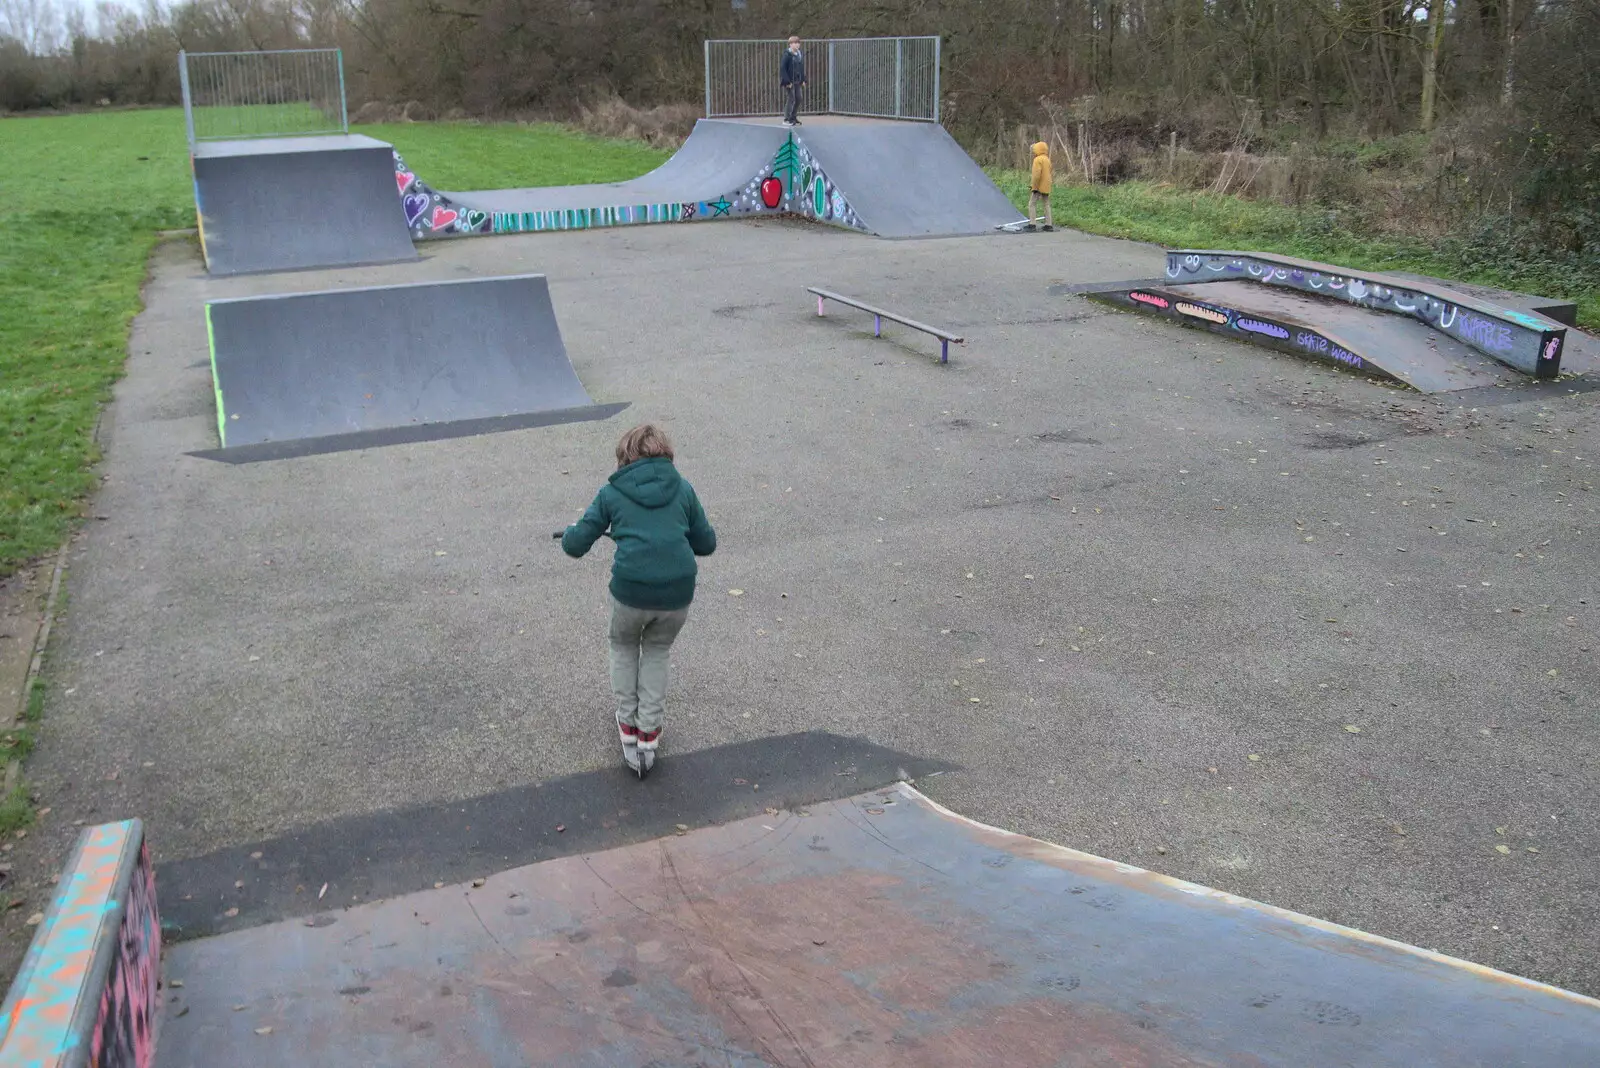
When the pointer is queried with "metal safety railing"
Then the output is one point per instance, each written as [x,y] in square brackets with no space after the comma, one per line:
[879,77]
[241,95]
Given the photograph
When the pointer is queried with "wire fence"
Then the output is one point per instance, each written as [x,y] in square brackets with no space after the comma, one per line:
[881,77]
[242,95]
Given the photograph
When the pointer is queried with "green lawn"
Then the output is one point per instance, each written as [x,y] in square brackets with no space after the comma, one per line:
[1180,219]
[84,198]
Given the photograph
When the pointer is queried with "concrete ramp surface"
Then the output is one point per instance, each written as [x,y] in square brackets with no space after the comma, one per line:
[718,158]
[878,931]
[907,179]
[283,204]
[303,373]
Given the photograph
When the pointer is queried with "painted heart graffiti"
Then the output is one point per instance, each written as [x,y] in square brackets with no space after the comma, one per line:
[404,179]
[443,217]
[415,204]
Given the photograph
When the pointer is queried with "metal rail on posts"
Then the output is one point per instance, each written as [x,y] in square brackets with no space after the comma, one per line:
[242,95]
[86,993]
[874,77]
[879,315]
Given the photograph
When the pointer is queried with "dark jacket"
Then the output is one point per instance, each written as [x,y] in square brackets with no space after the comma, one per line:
[793,69]
[659,527]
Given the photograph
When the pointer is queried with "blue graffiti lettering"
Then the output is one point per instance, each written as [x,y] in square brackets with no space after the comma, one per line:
[1476,330]
[1311,342]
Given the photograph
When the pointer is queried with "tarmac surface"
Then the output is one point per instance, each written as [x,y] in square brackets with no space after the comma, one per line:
[1142,591]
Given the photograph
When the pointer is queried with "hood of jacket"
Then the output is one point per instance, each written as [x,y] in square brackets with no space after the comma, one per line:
[1040,148]
[650,483]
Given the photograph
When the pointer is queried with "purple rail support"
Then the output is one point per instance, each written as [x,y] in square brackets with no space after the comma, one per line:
[877,326]
[944,351]
[819,305]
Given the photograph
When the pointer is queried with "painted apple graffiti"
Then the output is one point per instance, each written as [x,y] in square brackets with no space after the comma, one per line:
[771,192]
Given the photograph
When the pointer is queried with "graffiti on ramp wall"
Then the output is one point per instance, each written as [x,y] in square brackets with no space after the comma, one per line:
[793,183]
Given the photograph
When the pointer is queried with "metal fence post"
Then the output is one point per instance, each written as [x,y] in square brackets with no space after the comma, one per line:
[344,105]
[938,64]
[899,65]
[708,79]
[188,100]
[830,76]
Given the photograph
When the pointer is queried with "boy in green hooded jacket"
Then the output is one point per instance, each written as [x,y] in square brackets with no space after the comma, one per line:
[653,515]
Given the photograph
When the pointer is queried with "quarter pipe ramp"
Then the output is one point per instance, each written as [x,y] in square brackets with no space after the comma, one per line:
[878,930]
[292,203]
[351,368]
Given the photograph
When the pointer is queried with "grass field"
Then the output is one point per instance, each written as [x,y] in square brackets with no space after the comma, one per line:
[86,195]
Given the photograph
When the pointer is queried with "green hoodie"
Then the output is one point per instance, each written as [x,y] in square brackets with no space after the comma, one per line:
[659,527]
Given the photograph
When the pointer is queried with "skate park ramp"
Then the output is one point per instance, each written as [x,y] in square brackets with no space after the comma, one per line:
[1369,342]
[907,179]
[1433,335]
[292,203]
[719,157]
[306,373]
[886,177]
[877,930]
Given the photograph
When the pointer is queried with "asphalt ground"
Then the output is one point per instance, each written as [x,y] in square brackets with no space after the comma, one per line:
[1135,589]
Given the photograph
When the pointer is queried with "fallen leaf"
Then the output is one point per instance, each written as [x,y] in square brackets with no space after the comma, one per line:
[238,1008]
[477,883]
[256,855]
[741,782]
[561,828]
[975,700]
[176,984]
[440,552]
[263,1030]
[1352,728]
[735,593]
[438,886]
[231,913]
[683,826]
[819,941]
[1502,849]
[324,890]
[1499,830]
[1161,849]
[1533,849]
[874,811]
[36,919]
[1253,756]
[238,884]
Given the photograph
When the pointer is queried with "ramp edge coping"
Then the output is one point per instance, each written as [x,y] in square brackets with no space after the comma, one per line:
[378,289]
[1223,897]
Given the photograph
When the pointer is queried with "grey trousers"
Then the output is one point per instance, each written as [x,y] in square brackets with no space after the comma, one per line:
[791,102]
[641,645]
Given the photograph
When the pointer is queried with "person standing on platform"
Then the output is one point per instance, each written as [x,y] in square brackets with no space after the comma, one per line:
[792,77]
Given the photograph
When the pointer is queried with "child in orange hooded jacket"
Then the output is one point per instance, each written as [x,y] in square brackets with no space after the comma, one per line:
[1040,186]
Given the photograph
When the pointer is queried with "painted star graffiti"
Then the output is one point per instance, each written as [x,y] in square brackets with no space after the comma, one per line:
[720,206]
